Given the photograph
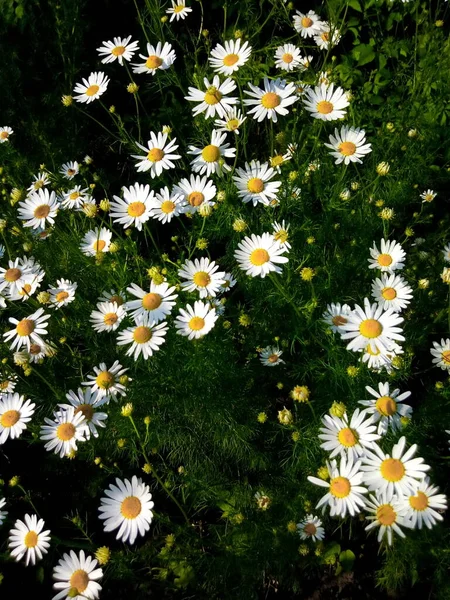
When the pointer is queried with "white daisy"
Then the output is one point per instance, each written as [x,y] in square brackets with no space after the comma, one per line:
[327,38]
[348,145]
[107,317]
[5,132]
[272,100]
[179,10]
[229,282]
[348,438]
[381,359]
[27,330]
[167,205]
[157,303]
[211,158]
[428,196]
[336,315]
[305,63]
[309,24]
[388,513]
[40,351]
[391,291]
[15,412]
[260,254]
[3,513]
[63,433]
[254,183]
[232,120]
[27,539]
[63,294]
[196,191]
[311,529]
[387,408]
[119,49]
[113,296]
[270,356]
[278,160]
[214,99]
[95,241]
[390,258]
[70,169]
[159,155]
[91,88]
[39,208]
[127,507]
[424,505]
[145,337]
[7,385]
[281,234]
[39,181]
[196,321]
[134,208]
[77,577]
[106,382]
[202,275]
[20,278]
[158,57]
[227,60]
[287,57]
[75,198]
[325,102]
[86,402]
[441,353]
[446,253]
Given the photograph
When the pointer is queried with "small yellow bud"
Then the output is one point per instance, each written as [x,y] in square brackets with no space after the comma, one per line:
[132,88]
[112,109]
[295,436]
[103,554]
[121,443]
[307,273]
[202,244]
[124,379]
[97,460]
[105,205]
[285,416]
[245,320]
[303,550]
[238,34]
[322,473]
[127,410]
[164,19]
[423,283]
[147,468]
[383,168]
[14,481]
[67,100]
[205,210]
[280,386]
[205,33]
[147,420]
[170,540]
[300,393]
[352,371]
[16,195]
[262,417]
[239,225]
[114,247]
[439,23]
[338,409]
[292,526]
[226,324]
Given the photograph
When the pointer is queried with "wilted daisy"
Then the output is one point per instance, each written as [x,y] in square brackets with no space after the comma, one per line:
[27,330]
[336,315]
[179,10]
[270,356]
[390,258]
[254,183]
[287,57]
[15,413]
[348,145]
[196,321]
[229,282]
[388,513]
[260,254]
[345,494]
[39,181]
[211,158]
[391,291]
[325,102]
[158,57]
[327,38]
[106,382]
[38,209]
[446,253]
[87,402]
[38,352]
[159,154]
[92,88]
[227,59]
[75,198]
[311,529]
[5,132]
[348,438]
[145,337]
[63,433]
[107,317]
[196,191]
[134,208]
[281,234]
[119,49]
[232,120]
[95,241]
[127,507]
[167,205]
[272,100]
[156,303]
[387,408]
[77,577]
[428,196]
[63,293]
[441,353]
[309,24]
[214,99]
[202,275]
[3,513]
[424,505]
[27,539]
[70,169]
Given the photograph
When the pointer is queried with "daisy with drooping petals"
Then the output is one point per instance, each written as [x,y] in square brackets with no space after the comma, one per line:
[134,208]
[75,198]
[3,513]
[39,181]
[202,275]
[270,356]
[77,577]
[15,412]
[227,60]
[336,315]
[441,353]
[63,294]
[348,438]
[308,25]
[325,102]
[179,10]
[388,513]
[272,100]
[106,382]
[260,254]
[254,183]
[348,145]
[40,351]
[391,291]
[39,208]
[27,330]
[157,303]
[197,321]
[232,120]
[311,529]
[145,337]
[92,88]
[423,504]
[63,433]
[196,191]
[345,494]
[287,57]
[158,57]
[167,205]
[281,234]
[113,296]
[70,169]
[127,507]
[428,196]
[210,159]
[95,241]
[214,100]
[119,49]
[390,258]
[159,155]
[27,539]
[86,402]
[5,132]
[107,317]
[229,282]
[395,473]
[327,38]
[387,409]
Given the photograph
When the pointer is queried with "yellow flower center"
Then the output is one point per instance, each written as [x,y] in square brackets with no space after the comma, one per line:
[348,437]
[110,318]
[38,184]
[92,90]
[65,431]
[211,153]
[340,487]
[287,58]
[195,198]
[281,236]
[35,349]
[324,107]
[370,328]
[392,469]
[202,279]
[12,274]
[4,135]
[325,36]
[61,296]
[196,323]
[212,96]
[79,580]
[117,299]
[178,8]
[155,155]
[270,100]
[26,289]
[31,539]
[233,124]
[369,350]
[42,211]
[118,50]
[9,418]
[142,334]
[419,502]
[25,327]
[105,380]
[4,384]
[74,195]
[131,507]
[389,293]
[307,22]
[99,245]
[277,160]
[71,172]
[151,301]
[230,59]
[273,358]
[386,515]
[153,62]
[338,320]
[167,207]
[386,405]
[136,209]
[255,185]
[259,256]
[86,409]
[310,529]
[347,148]
[384,260]
[446,356]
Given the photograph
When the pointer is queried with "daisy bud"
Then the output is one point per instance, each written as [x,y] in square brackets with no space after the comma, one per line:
[300,393]
[90,210]
[124,379]
[105,204]
[170,540]
[132,88]
[147,421]
[303,550]
[383,168]
[202,244]
[352,371]
[238,34]
[239,225]
[88,160]
[323,473]
[292,526]
[97,460]
[127,410]
[2,224]
[112,109]
[445,275]
[205,33]
[166,129]
[205,210]
[280,386]
[21,358]
[307,273]
[103,554]
[307,506]
[16,195]
[262,500]
[387,214]
[147,468]
[295,436]
[390,126]
[423,283]
[409,232]
[121,443]
[354,185]
[226,324]
[293,175]
[114,247]
[338,409]
[244,320]
[14,481]
[67,100]
[285,416]
[221,196]
[164,19]
[439,23]
[27,371]
[310,240]
[262,417]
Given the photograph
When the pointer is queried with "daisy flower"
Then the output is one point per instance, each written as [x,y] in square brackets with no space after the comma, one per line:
[270,356]
[391,291]
[227,60]
[197,321]
[196,191]
[232,120]
[281,234]
[63,294]
[40,351]
[446,253]
[107,317]
[106,382]
[156,303]
[77,577]
[85,402]
[203,276]
[428,196]
[113,296]
[371,326]
[348,145]
[63,433]
[75,198]
[380,359]
[5,132]
[27,539]
[311,529]
[279,159]
[325,102]
[39,208]
[214,100]
[345,494]
[95,241]
[287,57]
[254,185]
[19,274]
[159,155]
[70,169]
[394,473]
[422,505]
[260,254]
[326,39]
[336,315]
[3,513]
[272,100]
[27,330]
[387,513]
[15,412]
[305,63]
[135,207]
[39,181]
[91,88]
[119,49]
[127,507]
[210,159]
[8,385]
[441,353]
[229,282]
[309,24]
[158,57]
[167,205]
[145,337]
[179,10]
[390,258]
[348,438]
[387,408]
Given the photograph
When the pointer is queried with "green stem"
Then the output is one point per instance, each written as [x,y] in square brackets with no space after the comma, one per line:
[45,381]
[98,123]
[147,229]
[283,293]
[28,499]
